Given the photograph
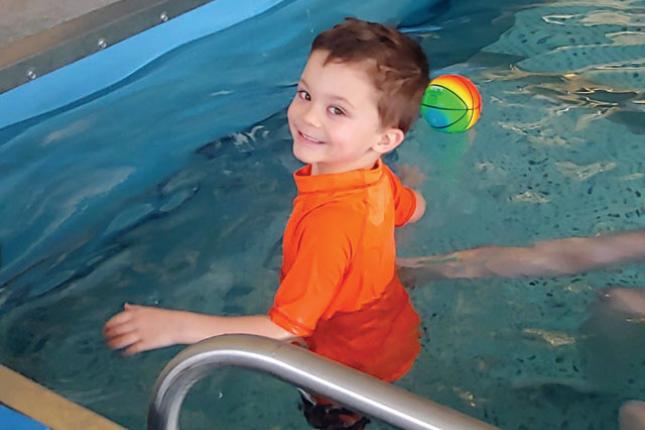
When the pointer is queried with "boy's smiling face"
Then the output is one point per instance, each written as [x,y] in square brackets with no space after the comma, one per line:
[334,119]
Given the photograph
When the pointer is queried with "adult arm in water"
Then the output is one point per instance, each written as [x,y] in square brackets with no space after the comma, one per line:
[547,258]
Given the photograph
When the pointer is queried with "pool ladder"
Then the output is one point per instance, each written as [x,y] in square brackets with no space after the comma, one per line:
[302,368]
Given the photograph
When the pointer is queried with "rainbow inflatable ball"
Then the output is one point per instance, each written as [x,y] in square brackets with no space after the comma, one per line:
[451,103]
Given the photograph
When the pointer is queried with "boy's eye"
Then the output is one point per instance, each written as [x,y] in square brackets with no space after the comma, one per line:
[304,95]
[335,110]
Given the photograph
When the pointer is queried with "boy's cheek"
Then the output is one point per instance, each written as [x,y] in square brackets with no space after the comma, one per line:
[290,116]
[290,112]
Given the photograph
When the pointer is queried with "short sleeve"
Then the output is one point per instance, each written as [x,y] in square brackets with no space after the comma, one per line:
[405,202]
[312,281]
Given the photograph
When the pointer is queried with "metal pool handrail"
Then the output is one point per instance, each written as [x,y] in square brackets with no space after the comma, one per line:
[304,369]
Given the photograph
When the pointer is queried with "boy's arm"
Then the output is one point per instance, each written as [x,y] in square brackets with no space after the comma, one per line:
[554,257]
[405,196]
[141,328]
[420,207]
[322,246]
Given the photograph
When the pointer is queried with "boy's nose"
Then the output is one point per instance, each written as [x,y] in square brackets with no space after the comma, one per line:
[310,116]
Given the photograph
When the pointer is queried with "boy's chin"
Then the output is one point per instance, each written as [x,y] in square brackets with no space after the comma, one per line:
[303,156]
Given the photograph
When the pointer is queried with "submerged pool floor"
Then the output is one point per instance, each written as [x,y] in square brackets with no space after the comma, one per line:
[558,152]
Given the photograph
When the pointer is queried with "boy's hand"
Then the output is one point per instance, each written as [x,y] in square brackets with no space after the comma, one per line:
[140,328]
[411,175]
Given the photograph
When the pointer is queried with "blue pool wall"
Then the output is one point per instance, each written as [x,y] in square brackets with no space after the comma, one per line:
[113,64]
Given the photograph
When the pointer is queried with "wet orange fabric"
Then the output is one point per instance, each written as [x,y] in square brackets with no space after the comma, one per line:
[338,289]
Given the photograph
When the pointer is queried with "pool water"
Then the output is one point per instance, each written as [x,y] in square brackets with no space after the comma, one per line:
[200,136]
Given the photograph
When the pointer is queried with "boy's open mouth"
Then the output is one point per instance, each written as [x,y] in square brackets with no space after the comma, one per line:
[309,139]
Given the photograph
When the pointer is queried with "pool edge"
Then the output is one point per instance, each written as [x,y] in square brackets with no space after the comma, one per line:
[44,405]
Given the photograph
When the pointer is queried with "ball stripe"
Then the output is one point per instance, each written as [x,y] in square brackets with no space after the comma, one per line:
[443,108]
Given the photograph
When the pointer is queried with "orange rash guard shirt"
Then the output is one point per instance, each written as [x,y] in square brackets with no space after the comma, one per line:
[339,289]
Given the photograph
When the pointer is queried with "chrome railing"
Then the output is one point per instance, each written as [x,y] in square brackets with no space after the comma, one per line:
[304,369]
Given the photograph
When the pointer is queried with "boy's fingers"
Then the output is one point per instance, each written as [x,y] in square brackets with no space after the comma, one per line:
[135,348]
[123,340]
[117,330]
[120,318]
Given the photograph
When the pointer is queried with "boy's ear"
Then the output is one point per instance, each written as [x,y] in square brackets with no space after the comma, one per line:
[390,139]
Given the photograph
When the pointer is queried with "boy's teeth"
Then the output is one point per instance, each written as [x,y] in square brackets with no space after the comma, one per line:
[311,138]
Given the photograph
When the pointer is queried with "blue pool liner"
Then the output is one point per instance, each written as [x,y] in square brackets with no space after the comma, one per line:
[12,420]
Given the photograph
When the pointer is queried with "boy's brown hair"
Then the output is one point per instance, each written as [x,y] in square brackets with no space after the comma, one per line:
[395,63]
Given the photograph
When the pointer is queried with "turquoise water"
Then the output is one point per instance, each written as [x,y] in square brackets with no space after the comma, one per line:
[173,188]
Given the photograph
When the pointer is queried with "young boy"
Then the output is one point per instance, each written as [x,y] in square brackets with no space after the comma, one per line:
[358,95]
